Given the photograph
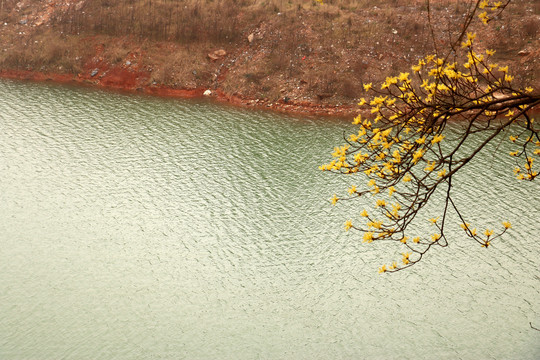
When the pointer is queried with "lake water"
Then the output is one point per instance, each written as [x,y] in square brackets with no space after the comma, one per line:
[142,228]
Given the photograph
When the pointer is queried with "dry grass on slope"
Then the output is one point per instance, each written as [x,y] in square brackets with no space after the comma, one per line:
[300,50]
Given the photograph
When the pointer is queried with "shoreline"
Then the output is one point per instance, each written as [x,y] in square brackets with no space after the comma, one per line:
[132,85]
[299,58]
[131,82]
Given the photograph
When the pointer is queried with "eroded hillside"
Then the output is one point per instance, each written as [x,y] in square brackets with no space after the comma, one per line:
[295,53]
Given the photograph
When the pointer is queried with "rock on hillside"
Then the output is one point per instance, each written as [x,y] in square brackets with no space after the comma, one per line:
[295,54]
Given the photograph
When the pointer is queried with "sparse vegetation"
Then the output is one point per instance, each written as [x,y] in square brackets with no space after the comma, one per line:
[300,50]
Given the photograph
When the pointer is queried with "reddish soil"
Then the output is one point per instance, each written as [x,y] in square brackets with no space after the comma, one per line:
[134,81]
[302,58]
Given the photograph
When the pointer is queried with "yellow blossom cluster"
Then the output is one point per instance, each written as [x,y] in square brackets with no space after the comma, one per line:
[527,170]
[494,6]
[488,235]
[401,153]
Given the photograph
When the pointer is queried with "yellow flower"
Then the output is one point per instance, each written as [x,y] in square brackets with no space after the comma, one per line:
[488,232]
[391,190]
[435,237]
[405,258]
[441,173]
[367,86]
[467,43]
[334,199]
[416,240]
[442,87]
[430,166]
[464,226]
[417,156]
[339,151]
[437,138]
[364,213]
[486,244]
[357,120]
[360,158]
[404,240]
[381,202]
[407,178]
[382,269]
[434,72]
[368,236]
[362,102]
[403,77]
[490,52]
[433,220]
[392,80]
[348,225]
[378,100]
[529,89]
[352,189]
[484,17]
[507,225]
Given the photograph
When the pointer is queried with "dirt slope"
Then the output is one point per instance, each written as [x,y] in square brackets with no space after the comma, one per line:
[294,56]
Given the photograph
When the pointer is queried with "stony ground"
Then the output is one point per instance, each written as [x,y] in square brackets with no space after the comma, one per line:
[299,57]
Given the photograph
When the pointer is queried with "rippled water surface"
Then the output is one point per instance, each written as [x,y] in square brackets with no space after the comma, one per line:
[134,227]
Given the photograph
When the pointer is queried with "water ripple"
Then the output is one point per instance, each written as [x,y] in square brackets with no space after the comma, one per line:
[140,227]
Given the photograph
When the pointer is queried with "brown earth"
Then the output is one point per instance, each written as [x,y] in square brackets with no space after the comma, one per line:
[296,56]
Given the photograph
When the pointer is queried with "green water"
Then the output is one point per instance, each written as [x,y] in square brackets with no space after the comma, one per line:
[141,228]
